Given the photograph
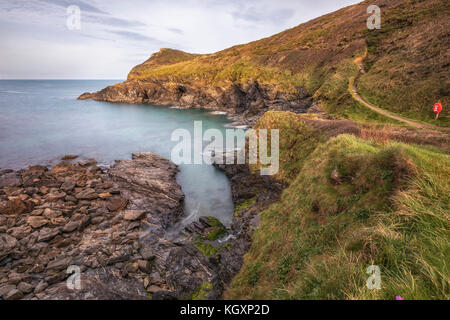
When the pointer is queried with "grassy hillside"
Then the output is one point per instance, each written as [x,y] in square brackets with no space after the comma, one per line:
[351,203]
[407,62]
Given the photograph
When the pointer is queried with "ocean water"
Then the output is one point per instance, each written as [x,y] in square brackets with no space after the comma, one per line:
[41,121]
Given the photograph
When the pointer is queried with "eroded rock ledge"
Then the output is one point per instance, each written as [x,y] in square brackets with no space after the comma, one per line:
[116,225]
[112,224]
[244,103]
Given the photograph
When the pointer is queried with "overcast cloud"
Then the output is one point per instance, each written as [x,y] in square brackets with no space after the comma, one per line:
[117,35]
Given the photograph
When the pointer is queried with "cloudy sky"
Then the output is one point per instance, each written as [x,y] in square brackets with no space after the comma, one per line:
[114,36]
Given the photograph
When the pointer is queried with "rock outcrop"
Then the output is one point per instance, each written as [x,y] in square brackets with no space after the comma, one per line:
[243,103]
[114,229]
[110,224]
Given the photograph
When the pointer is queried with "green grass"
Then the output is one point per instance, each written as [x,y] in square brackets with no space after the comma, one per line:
[406,66]
[244,205]
[216,232]
[207,249]
[358,112]
[297,141]
[390,208]
[202,292]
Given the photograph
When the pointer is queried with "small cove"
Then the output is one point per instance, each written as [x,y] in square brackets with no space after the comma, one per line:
[41,121]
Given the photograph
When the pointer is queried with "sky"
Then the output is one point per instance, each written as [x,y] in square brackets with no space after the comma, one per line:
[41,39]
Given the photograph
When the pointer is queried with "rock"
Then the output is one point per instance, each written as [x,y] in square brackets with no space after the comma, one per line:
[15,206]
[117,259]
[147,253]
[69,157]
[117,204]
[104,195]
[114,262]
[5,289]
[59,263]
[14,295]
[71,226]
[68,185]
[152,289]
[87,163]
[85,222]
[144,266]
[10,180]
[97,220]
[47,234]
[16,278]
[25,287]
[130,268]
[87,194]
[134,214]
[42,285]
[153,176]
[104,225]
[55,277]
[54,196]
[7,242]
[36,221]
[37,212]
[51,214]
[155,278]
[146,282]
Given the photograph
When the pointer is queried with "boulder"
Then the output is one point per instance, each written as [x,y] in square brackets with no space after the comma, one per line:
[36,221]
[7,243]
[55,196]
[59,263]
[5,289]
[41,286]
[68,185]
[117,204]
[134,214]
[71,226]
[14,295]
[47,234]
[10,180]
[25,287]
[87,194]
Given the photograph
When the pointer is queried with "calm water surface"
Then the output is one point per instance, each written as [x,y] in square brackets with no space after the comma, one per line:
[41,120]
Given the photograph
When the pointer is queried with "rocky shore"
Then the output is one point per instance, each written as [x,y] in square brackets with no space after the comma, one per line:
[114,225]
[244,103]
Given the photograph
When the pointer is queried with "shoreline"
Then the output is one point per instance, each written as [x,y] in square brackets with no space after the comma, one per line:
[114,224]
[243,104]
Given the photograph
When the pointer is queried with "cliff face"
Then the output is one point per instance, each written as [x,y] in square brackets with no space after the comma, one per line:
[116,227]
[244,102]
[314,59]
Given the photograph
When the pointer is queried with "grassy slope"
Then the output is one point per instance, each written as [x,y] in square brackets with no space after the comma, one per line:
[390,208]
[319,54]
[408,60]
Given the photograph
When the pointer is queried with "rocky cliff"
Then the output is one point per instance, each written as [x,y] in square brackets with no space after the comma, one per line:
[244,103]
[117,227]
[406,68]
[112,225]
